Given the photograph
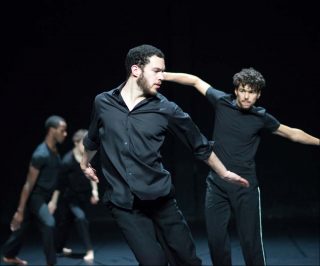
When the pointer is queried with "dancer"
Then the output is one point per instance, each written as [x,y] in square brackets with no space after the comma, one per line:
[128,126]
[36,193]
[75,192]
[238,123]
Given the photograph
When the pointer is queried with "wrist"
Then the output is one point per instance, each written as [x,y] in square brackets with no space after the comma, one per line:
[20,210]
[83,166]
[226,174]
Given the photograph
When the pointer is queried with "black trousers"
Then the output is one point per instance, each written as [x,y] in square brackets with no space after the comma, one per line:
[221,201]
[71,213]
[142,225]
[37,210]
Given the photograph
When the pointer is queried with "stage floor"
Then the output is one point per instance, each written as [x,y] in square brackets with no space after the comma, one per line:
[286,243]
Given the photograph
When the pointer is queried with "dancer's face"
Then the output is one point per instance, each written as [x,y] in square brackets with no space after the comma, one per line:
[151,76]
[246,96]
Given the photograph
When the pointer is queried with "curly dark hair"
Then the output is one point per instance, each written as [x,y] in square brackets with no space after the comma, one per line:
[251,77]
[140,56]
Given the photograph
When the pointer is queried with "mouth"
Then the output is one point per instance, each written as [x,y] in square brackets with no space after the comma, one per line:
[157,86]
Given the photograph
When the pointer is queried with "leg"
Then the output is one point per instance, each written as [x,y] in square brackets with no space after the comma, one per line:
[175,232]
[172,258]
[248,218]
[82,224]
[218,212]
[46,224]
[12,246]
[139,232]
[64,221]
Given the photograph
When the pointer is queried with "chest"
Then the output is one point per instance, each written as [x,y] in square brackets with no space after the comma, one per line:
[148,122]
[242,125]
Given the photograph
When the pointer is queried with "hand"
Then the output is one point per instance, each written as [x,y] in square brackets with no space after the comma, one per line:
[94,199]
[16,221]
[236,179]
[90,173]
[52,207]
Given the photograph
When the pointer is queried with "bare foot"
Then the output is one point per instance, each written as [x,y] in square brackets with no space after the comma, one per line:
[15,260]
[66,251]
[89,255]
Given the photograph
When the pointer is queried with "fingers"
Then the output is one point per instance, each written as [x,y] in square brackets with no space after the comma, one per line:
[244,182]
[236,179]
[94,178]
[14,226]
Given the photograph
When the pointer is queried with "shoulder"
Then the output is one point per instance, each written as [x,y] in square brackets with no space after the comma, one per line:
[107,94]
[41,150]
[259,110]
[213,92]
[40,156]
[101,96]
[165,103]
[67,158]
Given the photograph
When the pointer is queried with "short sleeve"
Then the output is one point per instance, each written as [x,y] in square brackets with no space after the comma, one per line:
[271,124]
[213,95]
[38,160]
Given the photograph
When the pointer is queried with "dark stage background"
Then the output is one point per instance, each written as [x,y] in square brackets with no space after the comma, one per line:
[57,55]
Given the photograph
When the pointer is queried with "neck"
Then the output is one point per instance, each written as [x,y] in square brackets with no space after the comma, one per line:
[77,155]
[51,143]
[132,93]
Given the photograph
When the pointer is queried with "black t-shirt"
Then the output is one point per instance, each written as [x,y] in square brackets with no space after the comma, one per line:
[236,132]
[48,163]
[73,184]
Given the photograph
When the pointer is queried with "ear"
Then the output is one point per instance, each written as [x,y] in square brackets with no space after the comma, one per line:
[135,70]
[236,91]
[259,94]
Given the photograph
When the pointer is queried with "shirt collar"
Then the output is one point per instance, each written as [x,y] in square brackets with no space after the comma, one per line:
[116,92]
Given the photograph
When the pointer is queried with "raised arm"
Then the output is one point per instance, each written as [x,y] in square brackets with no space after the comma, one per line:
[189,80]
[18,217]
[296,135]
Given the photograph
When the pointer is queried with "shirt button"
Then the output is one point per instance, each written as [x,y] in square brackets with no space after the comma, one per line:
[125,143]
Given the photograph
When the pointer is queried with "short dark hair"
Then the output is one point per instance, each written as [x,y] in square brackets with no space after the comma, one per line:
[79,135]
[53,121]
[140,55]
[251,77]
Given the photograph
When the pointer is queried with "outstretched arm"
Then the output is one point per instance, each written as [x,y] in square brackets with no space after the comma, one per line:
[296,135]
[214,162]
[187,79]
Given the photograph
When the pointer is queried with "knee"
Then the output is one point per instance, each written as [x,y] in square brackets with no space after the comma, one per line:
[81,218]
[50,222]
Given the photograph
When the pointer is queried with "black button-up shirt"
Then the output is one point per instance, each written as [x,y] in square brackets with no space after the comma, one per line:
[130,142]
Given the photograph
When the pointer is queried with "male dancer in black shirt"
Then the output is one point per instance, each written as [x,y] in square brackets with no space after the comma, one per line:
[36,193]
[236,134]
[128,126]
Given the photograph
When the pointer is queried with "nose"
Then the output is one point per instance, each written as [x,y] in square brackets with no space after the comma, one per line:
[161,76]
[246,95]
